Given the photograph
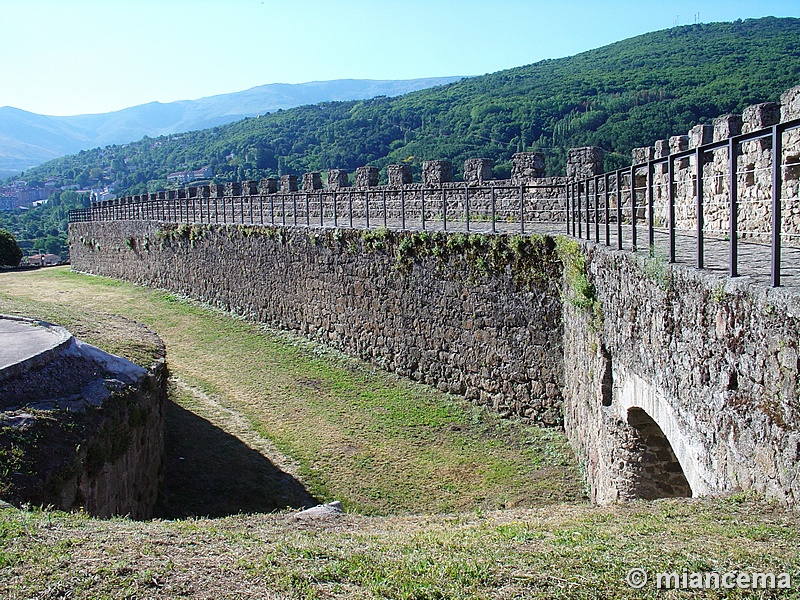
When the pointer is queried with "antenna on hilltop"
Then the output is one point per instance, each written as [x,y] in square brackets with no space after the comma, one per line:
[696,18]
[676,21]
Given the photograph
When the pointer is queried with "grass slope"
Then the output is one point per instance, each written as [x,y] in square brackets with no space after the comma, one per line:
[252,408]
[380,444]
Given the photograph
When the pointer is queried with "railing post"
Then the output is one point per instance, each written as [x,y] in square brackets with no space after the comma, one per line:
[321,196]
[633,209]
[619,210]
[607,216]
[383,201]
[733,193]
[335,211]
[366,207]
[650,214]
[422,202]
[777,151]
[308,211]
[698,157]
[596,180]
[588,205]
[521,209]
[494,213]
[466,203]
[578,209]
[444,210]
[568,205]
[402,209]
[283,209]
[671,207]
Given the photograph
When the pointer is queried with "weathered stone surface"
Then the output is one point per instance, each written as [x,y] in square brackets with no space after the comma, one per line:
[712,361]
[584,162]
[249,188]
[700,135]
[662,149]
[790,104]
[642,155]
[495,339]
[312,182]
[526,166]
[477,170]
[233,188]
[366,177]
[435,172]
[288,183]
[727,126]
[758,116]
[337,179]
[268,185]
[399,175]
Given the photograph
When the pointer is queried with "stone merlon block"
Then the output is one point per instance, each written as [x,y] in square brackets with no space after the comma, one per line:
[642,155]
[727,126]
[790,104]
[268,185]
[337,179]
[217,190]
[366,177]
[399,175]
[477,170]
[678,143]
[526,166]
[435,172]
[584,162]
[288,183]
[699,135]
[312,181]
[233,188]
[250,188]
[661,148]
[759,116]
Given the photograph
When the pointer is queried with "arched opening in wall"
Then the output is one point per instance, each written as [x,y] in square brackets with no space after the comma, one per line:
[655,470]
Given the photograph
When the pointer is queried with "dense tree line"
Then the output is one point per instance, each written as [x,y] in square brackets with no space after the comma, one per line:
[618,97]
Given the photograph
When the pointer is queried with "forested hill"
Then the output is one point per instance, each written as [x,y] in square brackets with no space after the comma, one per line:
[624,95]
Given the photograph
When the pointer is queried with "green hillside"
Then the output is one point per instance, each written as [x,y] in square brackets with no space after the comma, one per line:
[624,95]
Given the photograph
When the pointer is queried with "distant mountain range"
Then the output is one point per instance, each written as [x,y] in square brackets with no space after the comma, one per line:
[29,139]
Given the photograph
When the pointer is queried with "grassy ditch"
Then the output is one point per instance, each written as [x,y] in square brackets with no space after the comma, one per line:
[378,443]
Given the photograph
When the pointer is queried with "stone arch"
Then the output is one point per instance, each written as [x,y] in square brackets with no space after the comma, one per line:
[654,468]
[632,391]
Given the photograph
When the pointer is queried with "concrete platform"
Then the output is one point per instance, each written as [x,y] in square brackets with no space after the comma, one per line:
[26,344]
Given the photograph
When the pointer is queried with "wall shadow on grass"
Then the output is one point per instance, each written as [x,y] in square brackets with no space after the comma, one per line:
[210,473]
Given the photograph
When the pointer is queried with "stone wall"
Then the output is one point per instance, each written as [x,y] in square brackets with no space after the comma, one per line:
[754,166]
[472,315]
[89,429]
[713,362]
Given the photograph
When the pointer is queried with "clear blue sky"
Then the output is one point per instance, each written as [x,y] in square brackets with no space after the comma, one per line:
[65,57]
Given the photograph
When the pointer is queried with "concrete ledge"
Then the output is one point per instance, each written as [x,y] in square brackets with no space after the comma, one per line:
[26,344]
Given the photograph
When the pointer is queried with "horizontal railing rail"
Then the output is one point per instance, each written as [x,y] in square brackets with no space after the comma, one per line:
[465,207]
[597,202]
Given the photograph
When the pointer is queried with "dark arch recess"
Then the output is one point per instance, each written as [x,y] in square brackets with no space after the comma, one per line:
[656,472]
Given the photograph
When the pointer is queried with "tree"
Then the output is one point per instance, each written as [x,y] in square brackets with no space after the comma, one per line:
[10,254]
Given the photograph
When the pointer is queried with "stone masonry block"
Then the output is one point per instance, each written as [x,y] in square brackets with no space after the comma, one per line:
[727,126]
[366,177]
[477,170]
[526,166]
[699,135]
[584,162]
[217,190]
[661,149]
[642,155]
[288,183]
[399,175]
[337,179]
[249,188]
[233,188]
[268,185]
[790,104]
[759,116]
[311,182]
[435,172]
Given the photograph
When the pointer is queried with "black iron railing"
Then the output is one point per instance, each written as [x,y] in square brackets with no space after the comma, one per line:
[613,198]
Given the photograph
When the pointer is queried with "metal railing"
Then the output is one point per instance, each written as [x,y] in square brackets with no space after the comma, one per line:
[495,208]
[613,198]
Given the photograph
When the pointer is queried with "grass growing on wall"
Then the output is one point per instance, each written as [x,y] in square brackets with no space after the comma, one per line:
[377,442]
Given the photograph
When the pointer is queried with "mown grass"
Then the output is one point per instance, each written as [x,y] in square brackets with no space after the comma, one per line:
[562,551]
[378,443]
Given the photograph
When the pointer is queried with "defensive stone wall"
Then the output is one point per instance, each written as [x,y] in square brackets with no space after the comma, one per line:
[754,174]
[84,430]
[472,315]
[707,363]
